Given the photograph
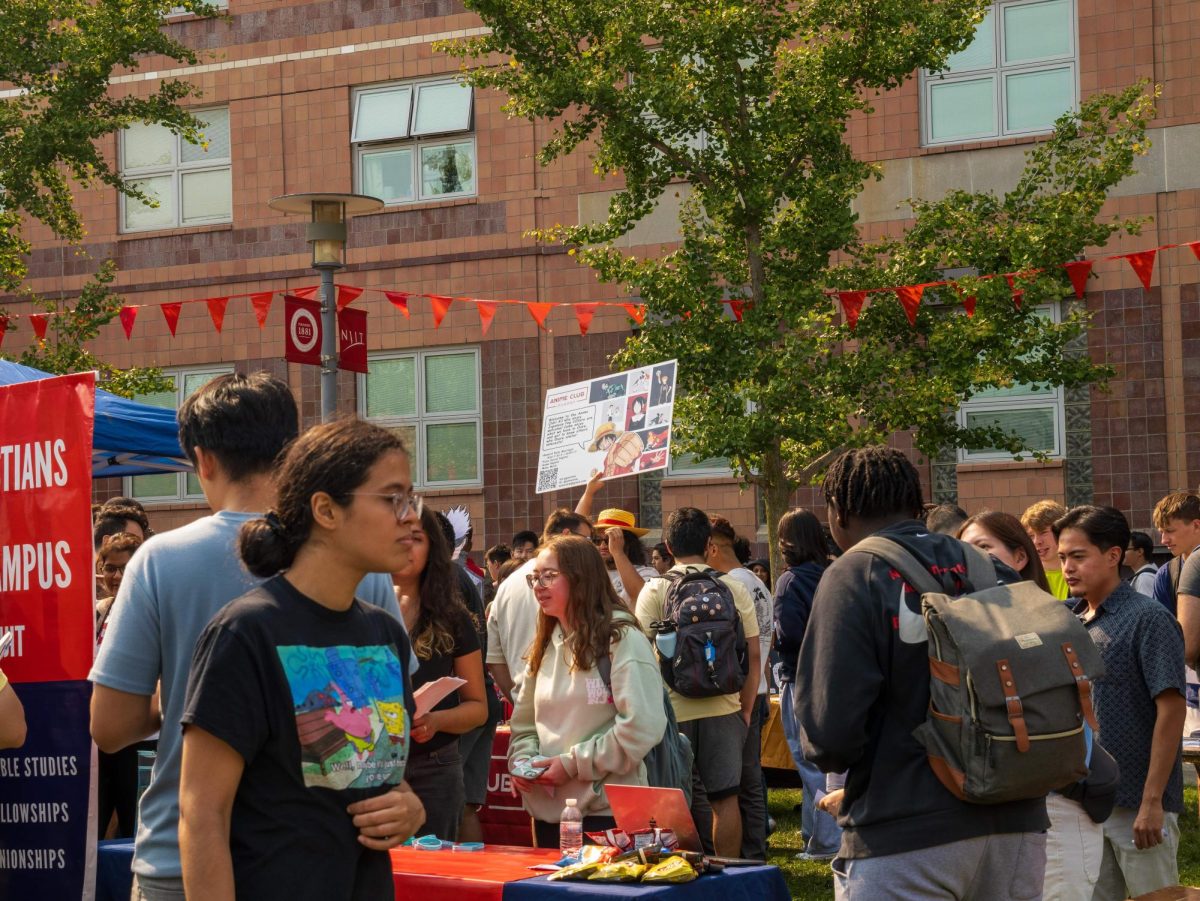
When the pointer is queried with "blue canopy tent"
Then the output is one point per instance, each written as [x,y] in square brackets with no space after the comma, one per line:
[131,439]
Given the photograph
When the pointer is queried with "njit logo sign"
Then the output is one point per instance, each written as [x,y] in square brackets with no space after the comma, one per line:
[302,330]
[352,339]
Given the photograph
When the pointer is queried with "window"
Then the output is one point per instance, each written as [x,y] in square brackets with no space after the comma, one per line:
[690,466]
[431,399]
[176,11]
[1016,77]
[413,142]
[193,184]
[1033,411]
[172,486]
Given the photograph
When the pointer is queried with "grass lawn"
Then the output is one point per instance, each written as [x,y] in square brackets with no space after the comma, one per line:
[812,882]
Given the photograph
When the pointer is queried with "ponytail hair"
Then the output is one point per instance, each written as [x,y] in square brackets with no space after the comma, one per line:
[335,458]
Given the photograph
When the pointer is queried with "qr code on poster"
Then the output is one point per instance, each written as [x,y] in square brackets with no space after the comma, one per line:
[547,480]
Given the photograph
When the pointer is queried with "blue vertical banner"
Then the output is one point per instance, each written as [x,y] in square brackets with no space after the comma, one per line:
[47,586]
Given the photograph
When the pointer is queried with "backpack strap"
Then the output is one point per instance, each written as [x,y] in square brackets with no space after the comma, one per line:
[604,665]
[981,572]
[902,561]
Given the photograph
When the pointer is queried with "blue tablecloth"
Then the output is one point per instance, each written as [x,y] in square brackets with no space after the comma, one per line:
[763,883]
[114,878]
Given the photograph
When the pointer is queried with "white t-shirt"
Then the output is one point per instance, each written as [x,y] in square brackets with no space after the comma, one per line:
[764,612]
[646,572]
[512,624]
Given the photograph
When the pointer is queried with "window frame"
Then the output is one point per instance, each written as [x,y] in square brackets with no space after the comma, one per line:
[413,141]
[181,495]
[176,170]
[421,419]
[1054,398]
[997,72]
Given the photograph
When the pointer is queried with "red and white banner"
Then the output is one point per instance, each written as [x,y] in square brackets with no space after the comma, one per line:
[352,339]
[47,588]
[302,330]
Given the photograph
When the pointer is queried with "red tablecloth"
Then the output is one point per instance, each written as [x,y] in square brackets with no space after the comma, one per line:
[463,875]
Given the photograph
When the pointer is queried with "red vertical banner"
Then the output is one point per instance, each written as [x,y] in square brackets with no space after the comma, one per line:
[302,330]
[46,602]
[352,339]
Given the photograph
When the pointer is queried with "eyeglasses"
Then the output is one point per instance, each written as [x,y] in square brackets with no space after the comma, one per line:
[112,569]
[544,579]
[403,502]
[600,542]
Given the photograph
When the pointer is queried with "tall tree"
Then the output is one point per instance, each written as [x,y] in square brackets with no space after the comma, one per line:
[742,107]
[56,58]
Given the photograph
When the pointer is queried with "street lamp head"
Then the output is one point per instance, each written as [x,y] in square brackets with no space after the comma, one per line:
[326,230]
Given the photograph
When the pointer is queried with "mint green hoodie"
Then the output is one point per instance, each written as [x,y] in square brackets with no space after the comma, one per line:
[599,738]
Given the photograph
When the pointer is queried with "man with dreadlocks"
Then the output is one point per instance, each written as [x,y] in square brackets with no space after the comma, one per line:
[862,687]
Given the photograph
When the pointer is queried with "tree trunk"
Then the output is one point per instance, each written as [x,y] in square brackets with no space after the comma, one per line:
[777,492]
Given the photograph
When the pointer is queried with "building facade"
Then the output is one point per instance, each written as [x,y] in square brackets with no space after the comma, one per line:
[310,96]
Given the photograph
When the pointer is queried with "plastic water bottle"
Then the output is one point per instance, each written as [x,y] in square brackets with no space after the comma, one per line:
[666,643]
[570,830]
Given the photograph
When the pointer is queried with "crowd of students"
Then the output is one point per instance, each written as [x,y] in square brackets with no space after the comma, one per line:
[277,667]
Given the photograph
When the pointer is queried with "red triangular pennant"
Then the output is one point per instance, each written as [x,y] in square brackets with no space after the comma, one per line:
[852,304]
[38,321]
[170,313]
[636,312]
[967,300]
[539,311]
[399,299]
[1079,270]
[306,293]
[583,315]
[910,299]
[262,306]
[1143,265]
[1016,293]
[347,294]
[441,306]
[736,307]
[128,315]
[1195,248]
[3,328]
[216,309]
[487,311]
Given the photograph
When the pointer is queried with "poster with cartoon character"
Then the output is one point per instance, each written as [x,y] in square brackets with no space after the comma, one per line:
[617,424]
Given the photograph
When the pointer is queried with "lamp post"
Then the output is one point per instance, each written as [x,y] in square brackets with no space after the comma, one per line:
[326,232]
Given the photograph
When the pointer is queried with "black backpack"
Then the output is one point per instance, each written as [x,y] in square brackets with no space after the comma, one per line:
[710,656]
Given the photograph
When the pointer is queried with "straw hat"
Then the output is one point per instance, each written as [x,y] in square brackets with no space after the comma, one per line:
[621,519]
[606,428]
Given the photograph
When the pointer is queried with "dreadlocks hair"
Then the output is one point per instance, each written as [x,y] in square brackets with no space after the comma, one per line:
[873,482]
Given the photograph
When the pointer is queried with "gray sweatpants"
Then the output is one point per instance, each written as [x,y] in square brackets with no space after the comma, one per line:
[989,868]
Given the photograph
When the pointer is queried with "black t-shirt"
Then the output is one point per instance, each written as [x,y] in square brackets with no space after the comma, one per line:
[318,704]
[465,641]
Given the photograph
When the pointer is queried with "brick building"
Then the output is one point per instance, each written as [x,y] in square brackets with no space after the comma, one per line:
[311,96]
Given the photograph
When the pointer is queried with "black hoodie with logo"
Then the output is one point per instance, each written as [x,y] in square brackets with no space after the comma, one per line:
[862,687]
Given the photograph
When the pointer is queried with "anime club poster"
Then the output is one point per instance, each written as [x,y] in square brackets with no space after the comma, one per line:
[618,425]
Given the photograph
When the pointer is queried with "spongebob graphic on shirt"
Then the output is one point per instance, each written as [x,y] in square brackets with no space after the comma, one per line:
[350,715]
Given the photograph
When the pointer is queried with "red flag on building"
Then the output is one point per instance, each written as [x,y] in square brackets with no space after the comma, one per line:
[128,316]
[262,306]
[487,312]
[352,339]
[302,330]
[170,313]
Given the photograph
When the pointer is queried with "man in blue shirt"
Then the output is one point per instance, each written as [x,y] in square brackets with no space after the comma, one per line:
[1139,702]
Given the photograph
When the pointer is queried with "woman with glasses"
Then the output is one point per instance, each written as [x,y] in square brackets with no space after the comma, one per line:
[592,705]
[446,643]
[298,714]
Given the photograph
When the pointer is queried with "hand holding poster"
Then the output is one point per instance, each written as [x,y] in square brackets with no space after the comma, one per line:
[46,597]
[617,424]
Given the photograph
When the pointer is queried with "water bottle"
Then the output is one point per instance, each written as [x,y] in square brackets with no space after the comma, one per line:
[666,643]
[570,830]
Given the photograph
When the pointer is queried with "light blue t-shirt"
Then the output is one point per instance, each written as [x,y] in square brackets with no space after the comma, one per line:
[173,586]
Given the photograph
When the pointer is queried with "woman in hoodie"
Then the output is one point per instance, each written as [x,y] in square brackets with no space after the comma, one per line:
[584,729]
[802,544]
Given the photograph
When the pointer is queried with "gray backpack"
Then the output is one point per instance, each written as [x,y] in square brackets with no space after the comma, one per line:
[1010,686]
